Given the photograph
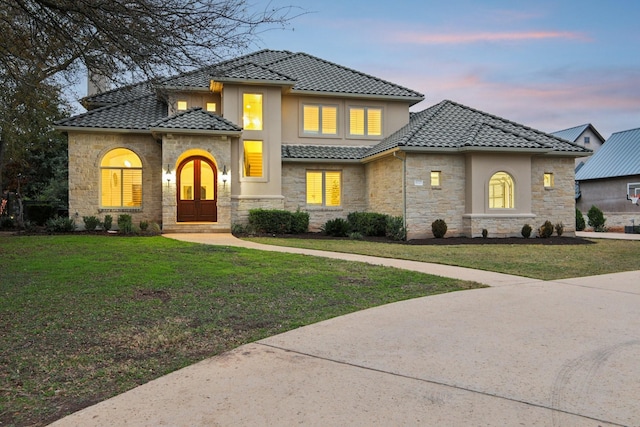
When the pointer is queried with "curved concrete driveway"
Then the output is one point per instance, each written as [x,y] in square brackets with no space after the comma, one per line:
[528,352]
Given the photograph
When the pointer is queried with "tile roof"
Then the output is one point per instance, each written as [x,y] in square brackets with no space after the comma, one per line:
[618,156]
[135,114]
[196,119]
[455,127]
[324,152]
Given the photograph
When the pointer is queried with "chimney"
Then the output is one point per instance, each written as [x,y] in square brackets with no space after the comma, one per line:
[96,83]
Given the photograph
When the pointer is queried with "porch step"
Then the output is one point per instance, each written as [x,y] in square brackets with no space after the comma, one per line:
[196,227]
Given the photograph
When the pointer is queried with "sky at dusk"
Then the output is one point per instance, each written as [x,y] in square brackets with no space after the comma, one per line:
[547,64]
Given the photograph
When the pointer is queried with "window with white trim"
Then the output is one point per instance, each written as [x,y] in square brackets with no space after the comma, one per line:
[121,179]
[324,188]
[501,191]
[319,119]
[365,121]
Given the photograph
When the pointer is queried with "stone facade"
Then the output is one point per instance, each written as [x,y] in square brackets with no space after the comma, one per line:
[352,197]
[86,151]
[555,204]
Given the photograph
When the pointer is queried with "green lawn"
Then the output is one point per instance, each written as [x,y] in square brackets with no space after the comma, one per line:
[83,318]
[546,262]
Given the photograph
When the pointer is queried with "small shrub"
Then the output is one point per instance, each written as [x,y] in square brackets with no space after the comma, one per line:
[39,213]
[336,227]
[90,222]
[107,223]
[6,222]
[439,228]
[356,235]
[270,220]
[125,224]
[144,225]
[154,229]
[395,228]
[546,230]
[368,223]
[299,222]
[485,233]
[526,231]
[559,229]
[596,219]
[580,225]
[60,224]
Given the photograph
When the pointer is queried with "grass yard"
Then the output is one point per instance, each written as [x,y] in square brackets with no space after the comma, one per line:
[546,262]
[83,318]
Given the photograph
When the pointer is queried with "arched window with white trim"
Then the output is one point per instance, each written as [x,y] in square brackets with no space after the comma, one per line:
[121,179]
[501,191]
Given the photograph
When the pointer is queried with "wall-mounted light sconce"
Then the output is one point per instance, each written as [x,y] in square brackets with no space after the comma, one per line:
[225,175]
[167,175]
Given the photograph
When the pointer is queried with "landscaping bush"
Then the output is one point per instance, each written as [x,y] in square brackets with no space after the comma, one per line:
[60,224]
[526,231]
[596,219]
[90,222]
[580,225]
[356,235]
[485,233]
[546,230]
[125,224]
[368,223]
[6,222]
[559,229]
[299,222]
[336,227]
[39,213]
[395,228]
[278,221]
[144,225]
[107,223]
[439,228]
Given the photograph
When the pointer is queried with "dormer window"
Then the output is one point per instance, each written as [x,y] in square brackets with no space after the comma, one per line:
[587,140]
[182,105]
[211,107]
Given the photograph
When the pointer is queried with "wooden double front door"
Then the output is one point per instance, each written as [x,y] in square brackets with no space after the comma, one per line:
[197,190]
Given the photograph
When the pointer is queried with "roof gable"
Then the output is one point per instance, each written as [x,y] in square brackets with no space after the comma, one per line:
[618,156]
[195,119]
[572,134]
[455,127]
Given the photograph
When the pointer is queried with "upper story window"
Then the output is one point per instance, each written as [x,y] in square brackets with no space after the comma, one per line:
[365,121]
[548,180]
[320,119]
[182,105]
[121,179]
[211,107]
[252,111]
[253,165]
[501,191]
[587,139]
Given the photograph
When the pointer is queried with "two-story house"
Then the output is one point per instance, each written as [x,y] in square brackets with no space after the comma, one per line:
[284,130]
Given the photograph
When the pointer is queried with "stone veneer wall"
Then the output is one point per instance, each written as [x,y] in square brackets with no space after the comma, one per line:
[294,191]
[176,148]
[425,203]
[86,151]
[241,205]
[384,186]
[555,204]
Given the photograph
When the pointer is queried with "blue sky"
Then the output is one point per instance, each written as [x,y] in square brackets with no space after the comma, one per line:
[550,65]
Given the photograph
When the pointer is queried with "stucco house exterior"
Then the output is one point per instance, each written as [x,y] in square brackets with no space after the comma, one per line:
[284,130]
[584,135]
[611,178]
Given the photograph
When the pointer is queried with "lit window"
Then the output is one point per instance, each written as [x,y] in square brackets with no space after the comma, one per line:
[211,107]
[587,139]
[435,178]
[365,121]
[548,180]
[320,119]
[182,105]
[121,179]
[252,111]
[252,166]
[501,191]
[324,188]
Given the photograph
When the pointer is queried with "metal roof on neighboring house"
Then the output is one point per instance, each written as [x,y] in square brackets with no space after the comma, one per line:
[323,152]
[196,119]
[449,126]
[618,156]
[572,134]
[135,114]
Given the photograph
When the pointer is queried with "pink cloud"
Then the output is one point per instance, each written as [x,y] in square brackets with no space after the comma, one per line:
[462,38]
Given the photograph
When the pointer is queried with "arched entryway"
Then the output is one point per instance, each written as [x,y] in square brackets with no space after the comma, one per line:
[197,190]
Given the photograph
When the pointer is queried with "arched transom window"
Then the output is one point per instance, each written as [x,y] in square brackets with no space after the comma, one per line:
[121,179]
[501,191]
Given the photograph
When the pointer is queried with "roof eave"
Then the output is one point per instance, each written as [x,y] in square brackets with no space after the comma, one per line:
[411,99]
[97,129]
[160,131]
[253,82]
[319,160]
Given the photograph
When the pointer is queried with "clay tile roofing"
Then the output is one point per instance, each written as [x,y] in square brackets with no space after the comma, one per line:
[455,127]
[325,152]
[196,119]
[134,114]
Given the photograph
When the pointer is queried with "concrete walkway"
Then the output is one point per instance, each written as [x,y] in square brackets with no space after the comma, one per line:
[526,352]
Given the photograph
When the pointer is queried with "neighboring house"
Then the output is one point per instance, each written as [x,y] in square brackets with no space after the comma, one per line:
[585,136]
[283,130]
[611,177]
